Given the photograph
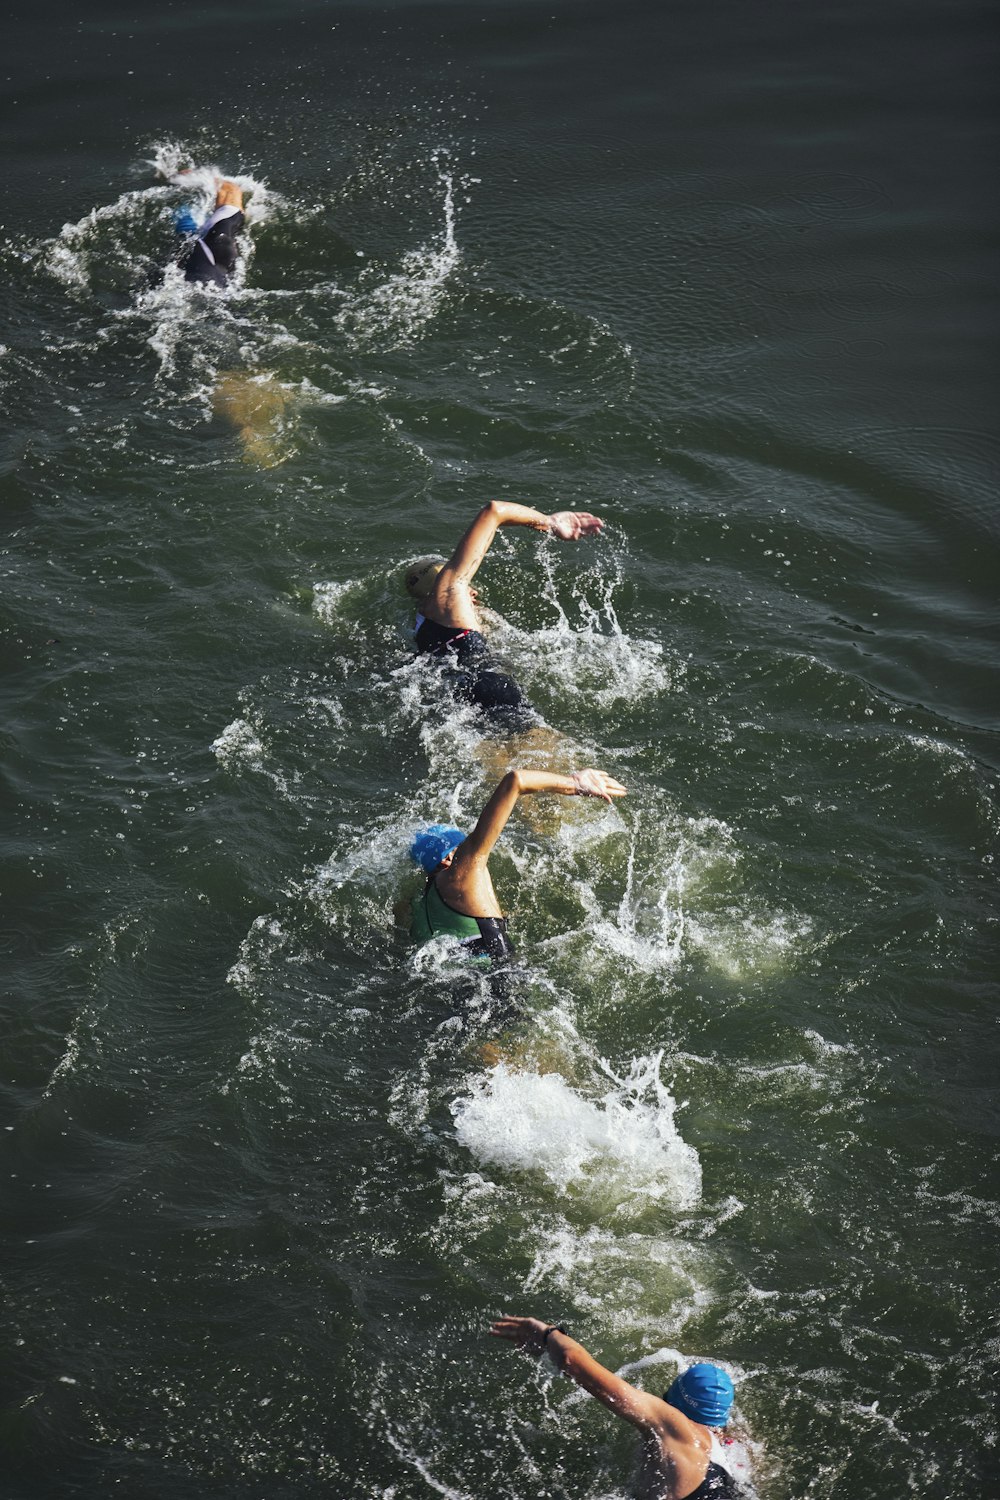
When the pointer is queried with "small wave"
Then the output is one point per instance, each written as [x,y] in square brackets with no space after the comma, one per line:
[328,598]
[740,943]
[71,257]
[265,938]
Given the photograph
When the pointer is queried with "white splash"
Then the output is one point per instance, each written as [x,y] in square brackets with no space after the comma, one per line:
[398,309]
[238,745]
[623,1148]
[238,748]
[587,655]
[328,598]
[69,255]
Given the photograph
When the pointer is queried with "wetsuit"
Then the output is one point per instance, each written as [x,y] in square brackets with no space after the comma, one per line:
[483,937]
[476,680]
[718,1483]
[213,257]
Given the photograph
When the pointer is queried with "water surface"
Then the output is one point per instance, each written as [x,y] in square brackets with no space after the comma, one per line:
[726,276]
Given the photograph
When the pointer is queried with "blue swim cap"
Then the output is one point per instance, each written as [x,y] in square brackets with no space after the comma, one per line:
[431,845]
[704,1393]
[185,222]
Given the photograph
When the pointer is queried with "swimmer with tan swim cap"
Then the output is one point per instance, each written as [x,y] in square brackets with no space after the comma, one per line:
[448,624]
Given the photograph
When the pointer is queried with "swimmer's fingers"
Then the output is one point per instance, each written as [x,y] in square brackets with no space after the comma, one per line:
[591,783]
[570,525]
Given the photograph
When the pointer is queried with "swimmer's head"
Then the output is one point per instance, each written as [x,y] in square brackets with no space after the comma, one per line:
[432,845]
[704,1393]
[420,576]
[230,195]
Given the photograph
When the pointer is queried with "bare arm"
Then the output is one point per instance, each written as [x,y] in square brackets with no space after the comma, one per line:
[465,881]
[479,845]
[450,601]
[626,1401]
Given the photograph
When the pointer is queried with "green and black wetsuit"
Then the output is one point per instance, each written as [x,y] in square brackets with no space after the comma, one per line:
[482,937]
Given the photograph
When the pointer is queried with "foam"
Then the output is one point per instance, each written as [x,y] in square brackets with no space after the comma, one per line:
[622,1149]
[238,745]
[328,598]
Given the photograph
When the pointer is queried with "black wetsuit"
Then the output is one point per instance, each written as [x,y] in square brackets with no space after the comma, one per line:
[213,258]
[473,674]
[718,1484]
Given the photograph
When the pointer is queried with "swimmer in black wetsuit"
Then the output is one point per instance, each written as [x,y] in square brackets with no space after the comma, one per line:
[212,259]
[682,1458]
[448,624]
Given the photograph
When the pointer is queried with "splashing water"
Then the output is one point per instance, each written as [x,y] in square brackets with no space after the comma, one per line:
[396,311]
[238,748]
[623,1149]
[590,656]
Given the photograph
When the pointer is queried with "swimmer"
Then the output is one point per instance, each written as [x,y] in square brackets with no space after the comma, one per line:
[448,623]
[682,1456]
[459,900]
[212,259]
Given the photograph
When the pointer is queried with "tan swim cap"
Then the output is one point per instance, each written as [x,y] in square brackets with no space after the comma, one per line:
[420,576]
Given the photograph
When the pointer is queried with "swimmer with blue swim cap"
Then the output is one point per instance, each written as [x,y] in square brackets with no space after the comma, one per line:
[448,625]
[458,900]
[432,845]
[683,1458]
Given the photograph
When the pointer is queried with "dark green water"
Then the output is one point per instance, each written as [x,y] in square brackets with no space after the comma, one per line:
[725,275]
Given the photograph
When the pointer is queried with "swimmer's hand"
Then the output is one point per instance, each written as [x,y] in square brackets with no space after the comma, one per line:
[571,525]
[591,783]
[526,1333]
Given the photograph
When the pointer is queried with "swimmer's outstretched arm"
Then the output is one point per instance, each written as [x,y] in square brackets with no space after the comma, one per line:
[479,845]
[463,877]
[450,599]
[626,1401]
